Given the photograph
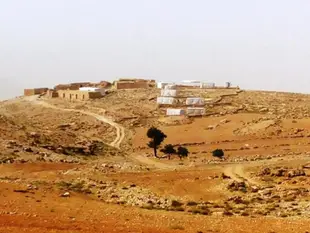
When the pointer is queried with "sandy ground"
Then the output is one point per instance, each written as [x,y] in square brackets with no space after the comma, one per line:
[44,211]
[241,135]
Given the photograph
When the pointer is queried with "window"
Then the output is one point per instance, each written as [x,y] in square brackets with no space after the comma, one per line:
[76,96]
[64,95]
[83,97]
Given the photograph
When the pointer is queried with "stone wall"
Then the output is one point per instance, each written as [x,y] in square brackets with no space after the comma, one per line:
[71,86]
[78,95]
[35,91]
[131,85]
[52,94]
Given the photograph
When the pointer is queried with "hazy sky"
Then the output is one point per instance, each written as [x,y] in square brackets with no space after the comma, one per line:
[258,44]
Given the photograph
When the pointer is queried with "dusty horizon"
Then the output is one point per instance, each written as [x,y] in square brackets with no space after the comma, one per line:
[259,45]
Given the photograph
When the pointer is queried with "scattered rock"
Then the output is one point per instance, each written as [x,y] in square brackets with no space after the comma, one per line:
[224,177]
[224,121]
[295,173]
[66,194]
[237,186]
[212,127]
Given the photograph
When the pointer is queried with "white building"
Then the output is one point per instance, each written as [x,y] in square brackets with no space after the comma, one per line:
[195,111]
[170,87]
[161,85]
[191,83]
[169,93]
[166,100]
[93,89]
[195,101]
[175,112]
[207,85]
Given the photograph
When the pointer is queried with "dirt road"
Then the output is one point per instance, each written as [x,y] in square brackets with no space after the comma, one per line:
[152,162]
[236,172]
[120,131]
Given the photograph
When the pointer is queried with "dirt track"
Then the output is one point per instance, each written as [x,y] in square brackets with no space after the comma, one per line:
[198,179]
[236,172]
[120,131]
[151,162]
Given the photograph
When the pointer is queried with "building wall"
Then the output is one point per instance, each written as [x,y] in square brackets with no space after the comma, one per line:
[175,112]
[35,91]
[169,93]
[71,86]
[207,85]
[166,100]
[195,101]
[52,94]
[93,89]
[195,111]
[78,95]
[94,95]
[131,85]
[29,92]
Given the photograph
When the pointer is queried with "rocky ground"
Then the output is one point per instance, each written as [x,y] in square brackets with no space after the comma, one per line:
[61,171]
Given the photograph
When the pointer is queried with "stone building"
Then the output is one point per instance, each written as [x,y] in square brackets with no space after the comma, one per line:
[175,112]
[52,93]
[35,91]
[195,101]
[134,84]
[71,86]
[195,111]
[78,95]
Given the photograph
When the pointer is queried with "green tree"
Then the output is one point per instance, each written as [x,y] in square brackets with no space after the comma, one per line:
[157,137]
[218,153]
[168,150]
[182,152]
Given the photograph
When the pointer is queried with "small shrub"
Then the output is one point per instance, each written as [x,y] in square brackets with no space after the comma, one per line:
[148,207]
[39,182]
[192,203]
[205,212]
[182,152]
[290,198]
[196,211]
[177,227]
[75,187]
[283,215]
[180,209]
[245,214]
[227,213]
[203,207]
[175,204]
[218,153]
[63,185]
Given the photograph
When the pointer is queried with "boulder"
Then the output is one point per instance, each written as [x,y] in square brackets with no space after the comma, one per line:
[295,173]
[237,186]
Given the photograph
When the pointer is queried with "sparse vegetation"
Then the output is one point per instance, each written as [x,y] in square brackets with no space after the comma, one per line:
[192,203]
[180,209]
[182,152]
[168,150]
[78,187]
[218,153]
[48,144]
[157,137]
[177,227]
[175,203]
[148,206]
